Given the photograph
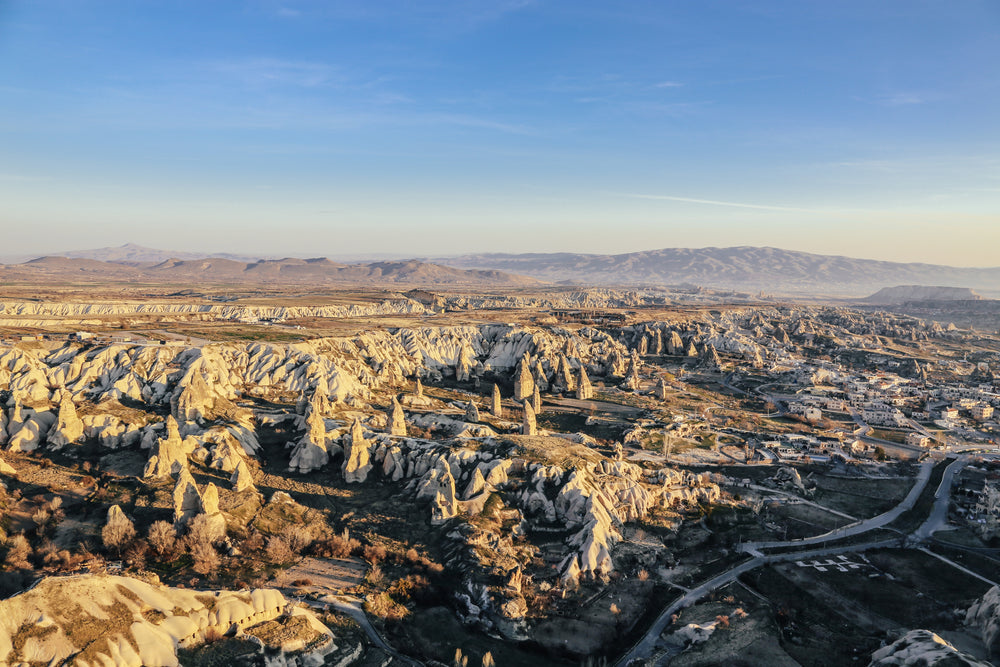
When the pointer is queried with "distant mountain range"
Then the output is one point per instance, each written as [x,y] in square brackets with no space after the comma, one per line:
[745,268]
[216,270]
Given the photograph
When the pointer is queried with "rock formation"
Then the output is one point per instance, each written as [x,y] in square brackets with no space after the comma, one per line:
[524,383]
[528,425]
[170,454]
[68,428]
[242,479]
[674,343]
[496,408]
[472,412]
[216,523]
[984,618]
[536,400]
[311,453]
[397,420]
[356,456]
[922,647]
[584,390]
[187,499]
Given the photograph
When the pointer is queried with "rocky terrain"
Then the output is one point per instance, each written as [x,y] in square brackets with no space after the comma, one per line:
[524,481]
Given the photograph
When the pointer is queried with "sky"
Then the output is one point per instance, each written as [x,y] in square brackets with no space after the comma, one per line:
[861,128]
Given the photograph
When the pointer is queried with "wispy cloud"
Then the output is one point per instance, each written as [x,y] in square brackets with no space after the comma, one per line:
[903,99]
[275,71]
[716,202]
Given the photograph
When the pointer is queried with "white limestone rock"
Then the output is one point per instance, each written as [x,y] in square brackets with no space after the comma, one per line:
[397,420]
[242,478]
[357,462]
[187,499]
[922,647]
[68,428]
[528,424]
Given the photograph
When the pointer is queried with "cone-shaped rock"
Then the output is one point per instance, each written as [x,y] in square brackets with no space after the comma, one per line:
[496,408]
[529,426]
[397,420]
[356,456]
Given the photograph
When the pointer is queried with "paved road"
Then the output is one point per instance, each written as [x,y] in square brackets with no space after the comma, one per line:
[942,497]
[861,526]
[645,646]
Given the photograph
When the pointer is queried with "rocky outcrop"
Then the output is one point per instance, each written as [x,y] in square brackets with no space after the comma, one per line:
[170,454]
[311,453]
[6,468]
[584,390]
[524,383]
[356,456]
[983,617]
[922,647]
[496,408]
[528,424]
[471,412]
[187,499]
[242,478]
[215,524]
[396,418]
[158,621]
[69,427]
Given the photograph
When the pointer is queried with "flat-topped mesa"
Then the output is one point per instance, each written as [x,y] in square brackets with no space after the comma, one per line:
[529,425]
[397,420]
[524,382]
[356,455]
[69,427]
[584,390]
[496,407]
[472,413]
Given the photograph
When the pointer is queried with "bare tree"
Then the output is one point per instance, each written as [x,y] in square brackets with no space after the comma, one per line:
[118,531]
[162,538]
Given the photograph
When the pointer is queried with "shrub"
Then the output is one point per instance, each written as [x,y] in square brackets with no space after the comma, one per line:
[278,551]
[162,538]
[374,554]
[205,557]
[117,533]
[18,552]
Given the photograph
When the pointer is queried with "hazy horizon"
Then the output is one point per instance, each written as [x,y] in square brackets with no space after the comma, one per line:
[441,128]
[375,256]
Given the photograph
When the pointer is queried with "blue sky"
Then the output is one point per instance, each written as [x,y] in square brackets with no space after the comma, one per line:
[428,128]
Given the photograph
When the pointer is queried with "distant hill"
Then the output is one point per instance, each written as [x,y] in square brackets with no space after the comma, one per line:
[283,271]
[131,253]
[904,293]
[746,268]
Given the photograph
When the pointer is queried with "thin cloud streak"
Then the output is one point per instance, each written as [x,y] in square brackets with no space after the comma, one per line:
[714,202]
